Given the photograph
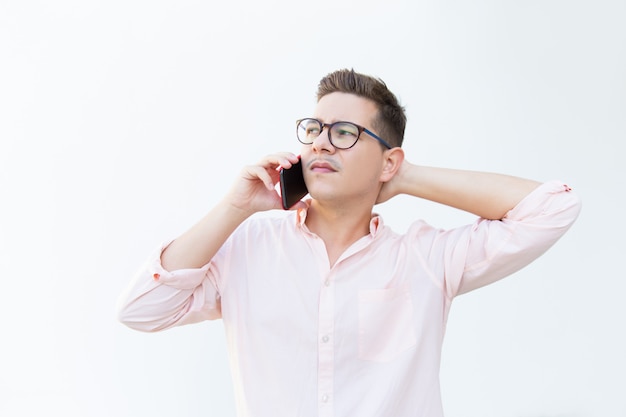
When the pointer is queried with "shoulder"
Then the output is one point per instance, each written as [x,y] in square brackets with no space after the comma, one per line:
[418,233]
[267,224]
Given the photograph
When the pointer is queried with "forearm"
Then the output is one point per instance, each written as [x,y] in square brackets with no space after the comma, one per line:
[197,246]
[487,195]
[172,288]
[252,192]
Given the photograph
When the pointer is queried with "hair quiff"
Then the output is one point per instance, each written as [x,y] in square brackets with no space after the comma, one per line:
[390,121]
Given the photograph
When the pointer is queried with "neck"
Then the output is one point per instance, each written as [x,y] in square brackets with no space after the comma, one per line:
[338,227]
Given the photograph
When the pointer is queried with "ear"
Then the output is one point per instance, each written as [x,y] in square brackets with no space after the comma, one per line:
[392,161]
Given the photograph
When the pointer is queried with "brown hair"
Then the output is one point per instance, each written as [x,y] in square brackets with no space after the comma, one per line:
[390,120]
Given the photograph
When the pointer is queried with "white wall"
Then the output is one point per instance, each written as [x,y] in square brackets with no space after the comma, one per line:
[122,122]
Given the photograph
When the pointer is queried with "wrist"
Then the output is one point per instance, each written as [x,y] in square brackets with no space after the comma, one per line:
[231,211]
[408,179]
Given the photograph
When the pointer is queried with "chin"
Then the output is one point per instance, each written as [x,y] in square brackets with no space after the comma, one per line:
[322,195]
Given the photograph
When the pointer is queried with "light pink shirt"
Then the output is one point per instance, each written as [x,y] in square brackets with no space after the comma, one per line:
[362,338]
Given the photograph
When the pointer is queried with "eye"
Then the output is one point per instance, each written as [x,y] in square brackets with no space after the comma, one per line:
[346,130]
[310,127]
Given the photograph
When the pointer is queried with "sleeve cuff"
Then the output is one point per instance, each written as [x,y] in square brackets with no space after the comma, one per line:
[184,279]
[542,201]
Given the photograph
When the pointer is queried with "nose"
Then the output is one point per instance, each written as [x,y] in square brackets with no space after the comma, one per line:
[322,142]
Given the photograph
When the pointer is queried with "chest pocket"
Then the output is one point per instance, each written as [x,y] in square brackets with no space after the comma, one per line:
[386,323]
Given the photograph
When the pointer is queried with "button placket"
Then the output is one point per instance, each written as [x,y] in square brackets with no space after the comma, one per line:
[326,325]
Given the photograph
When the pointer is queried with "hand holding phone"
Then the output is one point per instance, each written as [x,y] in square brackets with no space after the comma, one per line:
[292,186]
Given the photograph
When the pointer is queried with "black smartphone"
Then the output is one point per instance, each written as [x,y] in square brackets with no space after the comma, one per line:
[292,186]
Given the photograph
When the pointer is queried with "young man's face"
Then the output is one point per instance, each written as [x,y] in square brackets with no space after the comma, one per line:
[344,175]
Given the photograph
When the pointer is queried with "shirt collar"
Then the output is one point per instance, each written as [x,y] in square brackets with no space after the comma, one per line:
[376,222]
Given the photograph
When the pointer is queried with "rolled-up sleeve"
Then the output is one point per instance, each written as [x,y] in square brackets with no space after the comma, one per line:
[157,299]
[488,250]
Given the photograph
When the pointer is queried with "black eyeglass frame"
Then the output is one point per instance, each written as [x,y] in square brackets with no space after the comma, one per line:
[360,129]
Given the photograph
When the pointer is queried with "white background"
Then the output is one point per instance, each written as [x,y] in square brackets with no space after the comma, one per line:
[122,122]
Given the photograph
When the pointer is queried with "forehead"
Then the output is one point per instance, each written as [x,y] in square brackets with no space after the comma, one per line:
[346,107]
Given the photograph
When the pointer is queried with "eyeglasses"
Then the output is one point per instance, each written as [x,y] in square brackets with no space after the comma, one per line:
[342,135]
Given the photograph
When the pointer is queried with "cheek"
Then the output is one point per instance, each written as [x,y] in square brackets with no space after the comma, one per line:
[364,173]
[368,165]
[305,153]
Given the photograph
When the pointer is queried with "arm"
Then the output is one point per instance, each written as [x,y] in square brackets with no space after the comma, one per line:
[176,286]
[254,191]
[529,218]
[487,195]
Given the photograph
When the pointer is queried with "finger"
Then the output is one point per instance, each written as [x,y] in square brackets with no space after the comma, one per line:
[279,160]
[260,173]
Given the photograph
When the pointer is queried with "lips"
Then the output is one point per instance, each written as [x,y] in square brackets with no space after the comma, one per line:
[322,166]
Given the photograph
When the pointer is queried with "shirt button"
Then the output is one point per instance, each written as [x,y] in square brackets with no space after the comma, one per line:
[327,282]
[325,339]
[324,398]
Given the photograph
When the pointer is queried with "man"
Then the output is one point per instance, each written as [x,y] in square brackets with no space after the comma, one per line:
[327,311]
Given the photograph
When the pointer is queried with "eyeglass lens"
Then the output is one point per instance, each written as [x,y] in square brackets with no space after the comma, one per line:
[342,134]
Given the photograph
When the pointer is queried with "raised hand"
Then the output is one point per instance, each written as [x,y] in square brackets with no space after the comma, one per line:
[255,189]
